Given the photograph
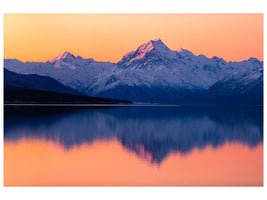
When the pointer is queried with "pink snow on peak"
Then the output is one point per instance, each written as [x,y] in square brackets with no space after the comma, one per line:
[157,39]
[145,48]
[159,46]
[129,53]
[61,56]
[179,50]
[150,45]
[155,45]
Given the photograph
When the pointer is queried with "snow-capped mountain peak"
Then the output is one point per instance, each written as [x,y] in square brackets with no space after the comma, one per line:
[157,46]
[153,44]
[64,56]
[152,49]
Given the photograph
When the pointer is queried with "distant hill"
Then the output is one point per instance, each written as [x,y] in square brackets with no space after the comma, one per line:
[35,82]
[20,88]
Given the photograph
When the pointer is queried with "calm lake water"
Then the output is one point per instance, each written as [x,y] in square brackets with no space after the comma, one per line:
[133,146]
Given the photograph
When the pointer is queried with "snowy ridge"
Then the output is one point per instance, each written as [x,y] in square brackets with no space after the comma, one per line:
[149,73]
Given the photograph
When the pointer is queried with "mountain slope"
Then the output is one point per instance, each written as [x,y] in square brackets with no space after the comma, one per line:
[35,82]
[74,72]
[151,73]
[19,88]
[240,87]
[154,73]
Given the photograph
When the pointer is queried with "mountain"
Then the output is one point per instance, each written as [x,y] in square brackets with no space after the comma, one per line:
[75,72]
[151,73]
[35,82]
[19,88]
[243,86]
[240,87]
[154,73]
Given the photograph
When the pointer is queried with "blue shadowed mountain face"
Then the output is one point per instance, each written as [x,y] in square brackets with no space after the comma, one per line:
[35,82]
[158,130]
[32,88]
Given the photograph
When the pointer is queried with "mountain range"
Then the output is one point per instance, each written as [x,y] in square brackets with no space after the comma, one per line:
[153,73]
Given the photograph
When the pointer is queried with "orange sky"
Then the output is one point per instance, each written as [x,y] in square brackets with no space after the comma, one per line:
[107,37]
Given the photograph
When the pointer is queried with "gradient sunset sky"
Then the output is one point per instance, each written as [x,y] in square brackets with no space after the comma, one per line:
[107,37]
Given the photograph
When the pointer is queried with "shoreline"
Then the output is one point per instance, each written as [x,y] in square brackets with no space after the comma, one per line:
[133,105]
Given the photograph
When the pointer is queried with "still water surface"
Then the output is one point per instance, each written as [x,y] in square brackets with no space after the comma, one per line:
[133,146]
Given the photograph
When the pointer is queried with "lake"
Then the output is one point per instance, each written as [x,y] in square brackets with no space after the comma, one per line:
[133,146]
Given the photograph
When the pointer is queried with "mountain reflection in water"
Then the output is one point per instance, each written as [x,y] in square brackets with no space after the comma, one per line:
[151,132]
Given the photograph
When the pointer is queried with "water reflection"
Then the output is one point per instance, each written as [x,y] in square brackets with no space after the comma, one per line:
[150,132]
